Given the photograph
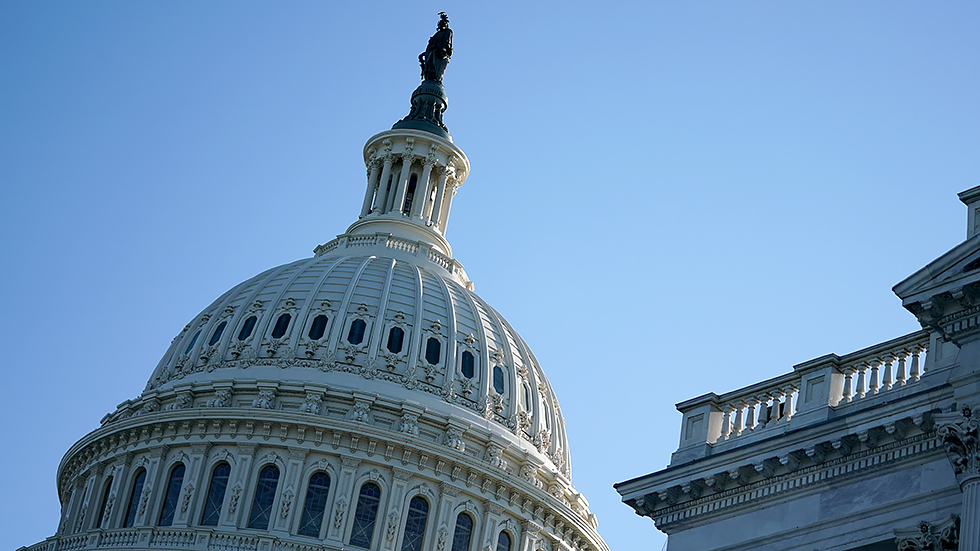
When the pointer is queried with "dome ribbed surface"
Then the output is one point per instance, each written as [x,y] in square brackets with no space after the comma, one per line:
[384,293]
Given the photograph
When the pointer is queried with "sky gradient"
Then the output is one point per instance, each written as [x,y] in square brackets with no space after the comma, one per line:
[666,199]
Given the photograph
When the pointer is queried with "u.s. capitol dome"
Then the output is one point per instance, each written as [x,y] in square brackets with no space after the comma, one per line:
[364,398]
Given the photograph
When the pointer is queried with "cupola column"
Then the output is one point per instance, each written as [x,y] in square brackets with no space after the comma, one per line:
[440,192]
[407,158]
[447,204]
[371,188]
[422,189]
[382,198]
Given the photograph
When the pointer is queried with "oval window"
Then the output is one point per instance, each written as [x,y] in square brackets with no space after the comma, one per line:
[433,348]
[498,379]
[395,338]
[318,327]
[247,327]
[217,333]
[281,325]
[466,364]
[356,333]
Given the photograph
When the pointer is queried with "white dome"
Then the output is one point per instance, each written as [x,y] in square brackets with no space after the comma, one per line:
[297,324]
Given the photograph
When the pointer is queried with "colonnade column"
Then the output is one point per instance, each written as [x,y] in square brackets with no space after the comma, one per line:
[422,195]
[371,188]
[382,198]
[960,433]
[440,193]
[407,158]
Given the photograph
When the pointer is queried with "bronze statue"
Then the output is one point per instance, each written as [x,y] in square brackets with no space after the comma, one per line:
[435,58]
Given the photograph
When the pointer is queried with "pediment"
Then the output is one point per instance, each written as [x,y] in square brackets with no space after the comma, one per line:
[956,269]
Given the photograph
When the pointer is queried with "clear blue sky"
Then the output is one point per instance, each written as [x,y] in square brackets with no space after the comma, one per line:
[666,199]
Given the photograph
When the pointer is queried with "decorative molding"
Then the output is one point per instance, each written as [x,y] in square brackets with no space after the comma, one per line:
[932,536]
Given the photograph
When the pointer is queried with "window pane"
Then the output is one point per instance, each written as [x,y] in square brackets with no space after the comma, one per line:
[316,502]
[356,333]
[281,324]
[365,515]
[134,499]
[173,493]
[418,512]
[463,533]
[105,500]
[216,494]
[498,379]
[265,495]
[318,327]
[395,338]
[191,345]
[466,365]
[247,327]
[217,333]
[503,542]
[432,350]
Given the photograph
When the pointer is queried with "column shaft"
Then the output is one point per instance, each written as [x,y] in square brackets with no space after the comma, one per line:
[382,198]
[421,191]
[440,193]
[371,187]
[970,516]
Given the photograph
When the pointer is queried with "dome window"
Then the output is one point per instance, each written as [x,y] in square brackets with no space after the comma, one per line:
[193,341]
[318,327]
[134,498]
[217,333]
[418,513]
[466,364]
[103,503]
[503,542]
[463,533]
[216,494]
[395,338]
[356,333]
[433,348]
[265,495]
[281,325]
[365,515]
[247,327]
[173,493]
[498,379]
[315,505]
[526,398]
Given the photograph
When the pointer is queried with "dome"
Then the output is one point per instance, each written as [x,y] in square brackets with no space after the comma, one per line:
[376,316]
[364,398]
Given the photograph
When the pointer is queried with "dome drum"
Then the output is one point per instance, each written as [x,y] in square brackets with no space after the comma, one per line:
[399,446]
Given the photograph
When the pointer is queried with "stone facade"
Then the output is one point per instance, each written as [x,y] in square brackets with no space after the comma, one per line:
[874,450]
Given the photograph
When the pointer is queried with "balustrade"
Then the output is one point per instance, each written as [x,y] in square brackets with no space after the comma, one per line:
[875,370]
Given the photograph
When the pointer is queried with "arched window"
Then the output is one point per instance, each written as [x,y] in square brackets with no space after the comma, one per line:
[315,504]
[173,494]
[433,348]
[503,542]
[216,494]
[217,333]
[265,495]
[318,327]
[103,503]
[498,379]
[466,364]
[365,515]
[356,333]
[281,325]
[191,345]
[395,338]
[463,533]
[134,498]
[247,327]
[418,512]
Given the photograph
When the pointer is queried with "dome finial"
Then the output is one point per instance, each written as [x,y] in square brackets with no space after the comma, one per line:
[429,101]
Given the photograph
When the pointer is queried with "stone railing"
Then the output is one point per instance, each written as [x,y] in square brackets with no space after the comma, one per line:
[389,241]
[828,381]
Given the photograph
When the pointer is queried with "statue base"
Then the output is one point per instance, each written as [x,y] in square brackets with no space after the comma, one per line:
[429,102]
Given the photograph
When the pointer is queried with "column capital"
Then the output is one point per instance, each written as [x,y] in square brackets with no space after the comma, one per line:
[960,433]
